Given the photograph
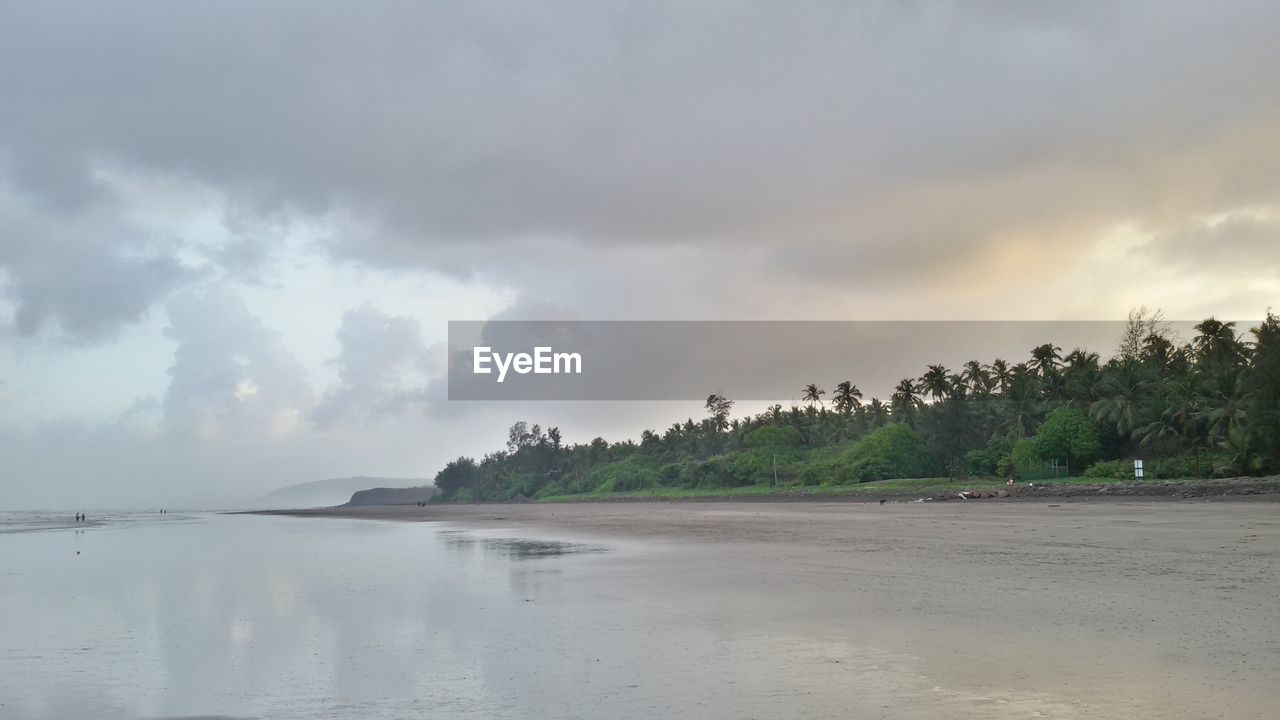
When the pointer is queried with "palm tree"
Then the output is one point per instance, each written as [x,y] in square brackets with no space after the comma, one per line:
[1044,359]
[1121,396]
[905,400]
[1264,392]
[775,413]
[1225,404]
[1239,450]
[672,437]
[813,395]
[1022,406]
[1080,379]
[1162,432]
[1081,359]
[936,381]
[1216,344]
[976,377]
[846,397]
[1183,404]
[1001,375]
[1158,352]
[878,412]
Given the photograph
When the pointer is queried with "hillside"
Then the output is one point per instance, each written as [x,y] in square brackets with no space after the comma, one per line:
[333,491]
[391,496]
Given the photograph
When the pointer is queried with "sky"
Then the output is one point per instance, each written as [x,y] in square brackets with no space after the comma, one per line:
[232,234]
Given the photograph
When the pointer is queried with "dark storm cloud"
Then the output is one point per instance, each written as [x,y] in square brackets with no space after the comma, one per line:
[816,139]
[85,272]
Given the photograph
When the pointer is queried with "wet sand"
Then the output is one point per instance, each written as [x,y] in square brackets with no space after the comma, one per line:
[1134,609]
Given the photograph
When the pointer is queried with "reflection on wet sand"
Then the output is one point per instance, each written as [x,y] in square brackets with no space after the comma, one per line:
[525,549]
[515,548]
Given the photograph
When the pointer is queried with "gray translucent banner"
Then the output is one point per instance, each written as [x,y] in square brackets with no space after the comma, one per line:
[744,360]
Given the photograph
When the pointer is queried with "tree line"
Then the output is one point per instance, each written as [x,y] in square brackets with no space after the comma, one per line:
[1205,407]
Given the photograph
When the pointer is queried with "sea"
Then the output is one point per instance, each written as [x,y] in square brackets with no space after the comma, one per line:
[208,615]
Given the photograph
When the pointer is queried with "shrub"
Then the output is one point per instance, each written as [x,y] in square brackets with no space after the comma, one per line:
[1021,456]
[757,466]
[893,451]
[1068,434]
[1115,469]
[635,473]
[715,472]
[771,436]
[1185,466]
[986,461]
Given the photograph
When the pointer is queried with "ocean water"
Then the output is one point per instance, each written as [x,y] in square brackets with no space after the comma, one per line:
[203,615]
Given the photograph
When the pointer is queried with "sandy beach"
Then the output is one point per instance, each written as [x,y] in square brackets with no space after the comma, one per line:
[1136,609]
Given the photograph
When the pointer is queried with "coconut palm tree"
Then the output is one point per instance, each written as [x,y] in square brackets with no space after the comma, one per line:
[1159,352]
[812,394]
[1162,433]
[1044,359]
[1216,345]
[878,412]
[1264,392]
[1080,359]
[936,381]
[1001,375]
[905,400]
[1080,377]
[1226,402]
[976,377]
[1022,406]
[1121,392]
[1183,400]
[846,397]
[649,439]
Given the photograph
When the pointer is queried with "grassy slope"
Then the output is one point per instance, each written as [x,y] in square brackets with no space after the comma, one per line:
[882,488]
[917,486]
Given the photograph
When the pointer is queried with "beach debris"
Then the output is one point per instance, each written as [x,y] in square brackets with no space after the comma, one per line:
[982,494]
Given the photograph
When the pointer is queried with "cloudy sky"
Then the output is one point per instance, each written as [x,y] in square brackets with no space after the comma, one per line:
[231,234]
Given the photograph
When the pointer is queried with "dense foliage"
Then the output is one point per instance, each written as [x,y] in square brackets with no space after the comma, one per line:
[1207,407]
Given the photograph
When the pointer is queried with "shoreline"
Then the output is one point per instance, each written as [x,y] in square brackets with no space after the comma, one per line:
[619,516]
[1244,489]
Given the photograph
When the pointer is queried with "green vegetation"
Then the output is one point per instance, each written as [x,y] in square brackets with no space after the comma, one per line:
[1209,407]
[906,486]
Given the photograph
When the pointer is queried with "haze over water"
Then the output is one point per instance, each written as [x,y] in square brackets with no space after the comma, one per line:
[251,616]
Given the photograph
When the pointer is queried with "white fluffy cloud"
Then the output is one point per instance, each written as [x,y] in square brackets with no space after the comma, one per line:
[231,375]
[383,369]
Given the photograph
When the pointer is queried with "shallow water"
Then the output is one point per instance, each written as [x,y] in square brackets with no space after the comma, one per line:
[180,615]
